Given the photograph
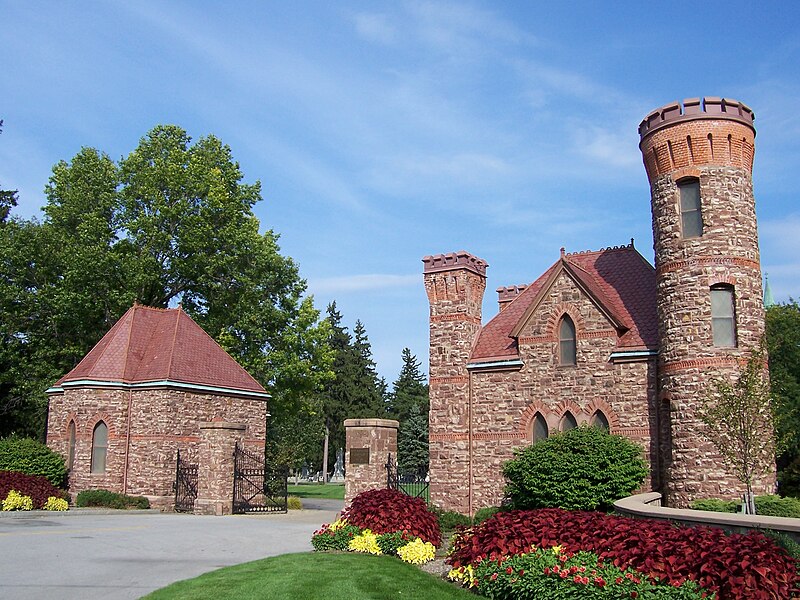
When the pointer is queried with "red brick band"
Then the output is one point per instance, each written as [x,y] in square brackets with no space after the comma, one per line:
[447,437]
[464,318]
[581,335]
[633,432]
[456,437]
[456,379]
[697,363]
[707,261]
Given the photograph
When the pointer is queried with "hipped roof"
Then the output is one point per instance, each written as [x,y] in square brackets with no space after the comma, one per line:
[153,346]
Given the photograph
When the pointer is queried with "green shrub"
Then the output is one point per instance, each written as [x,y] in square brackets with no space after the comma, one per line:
[775,506]
[715,505]
[334,536]
[109,499]
[450,520]
[294,503]
[485,513]
[585,468]
[26,455]
[390,543]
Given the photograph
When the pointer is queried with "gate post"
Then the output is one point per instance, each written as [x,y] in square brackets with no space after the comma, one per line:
[215,467]
[369,443]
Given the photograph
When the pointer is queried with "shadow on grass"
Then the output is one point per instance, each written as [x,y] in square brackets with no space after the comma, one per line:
[315,576]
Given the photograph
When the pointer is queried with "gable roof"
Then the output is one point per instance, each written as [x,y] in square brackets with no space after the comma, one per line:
[618,280]
[153,346]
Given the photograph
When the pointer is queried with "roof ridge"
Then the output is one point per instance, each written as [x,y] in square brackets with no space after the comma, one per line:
[629,246]
[128,341]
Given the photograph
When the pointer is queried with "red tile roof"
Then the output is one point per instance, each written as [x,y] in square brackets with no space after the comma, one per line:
[619,280]
[152,345]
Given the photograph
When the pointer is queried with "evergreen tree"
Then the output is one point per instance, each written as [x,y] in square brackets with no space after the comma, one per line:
[412,447]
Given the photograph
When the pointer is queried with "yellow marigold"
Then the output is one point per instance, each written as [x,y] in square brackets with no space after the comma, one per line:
[365,542]
[54,503]
[417,552]
[337,524]
[16,501]
[463,575]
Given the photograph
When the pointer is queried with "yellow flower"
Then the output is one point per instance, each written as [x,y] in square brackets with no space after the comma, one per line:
[337,524]
[16,501]
[557,550]
[366,542]
[54,503]
[417,552]
[463,575]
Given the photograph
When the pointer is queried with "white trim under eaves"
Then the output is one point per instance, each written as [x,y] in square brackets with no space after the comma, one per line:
[495,365]
[633,354]
[158,384]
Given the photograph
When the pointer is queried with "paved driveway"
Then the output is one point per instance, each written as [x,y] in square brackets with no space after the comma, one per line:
[128,554]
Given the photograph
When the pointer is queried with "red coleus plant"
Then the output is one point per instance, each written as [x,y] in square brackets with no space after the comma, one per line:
[387,511]
[35,486]
[736,566]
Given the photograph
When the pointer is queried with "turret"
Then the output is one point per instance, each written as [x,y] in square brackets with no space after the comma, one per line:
[455,284]
[699,158]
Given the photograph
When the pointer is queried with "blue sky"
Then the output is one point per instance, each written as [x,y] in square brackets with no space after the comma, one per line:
[383,132]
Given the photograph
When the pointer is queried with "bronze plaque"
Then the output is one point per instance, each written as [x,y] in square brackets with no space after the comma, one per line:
[359,456]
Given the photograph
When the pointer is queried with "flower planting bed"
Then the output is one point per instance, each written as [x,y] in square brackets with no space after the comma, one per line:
[19,491]
[617,550]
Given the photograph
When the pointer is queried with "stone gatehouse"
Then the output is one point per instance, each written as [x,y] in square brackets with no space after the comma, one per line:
[156,383]
[603,337]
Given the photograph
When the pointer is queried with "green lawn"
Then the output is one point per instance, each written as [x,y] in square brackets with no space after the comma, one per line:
[317,490]
[315,576]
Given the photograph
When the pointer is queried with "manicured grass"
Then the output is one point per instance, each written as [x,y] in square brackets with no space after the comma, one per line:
[315,576]
[317,490]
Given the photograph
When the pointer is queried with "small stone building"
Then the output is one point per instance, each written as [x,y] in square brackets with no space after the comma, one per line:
[143,393]
[603,337]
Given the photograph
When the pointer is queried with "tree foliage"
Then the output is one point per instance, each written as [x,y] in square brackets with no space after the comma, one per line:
[408,402]
[171,222]
[783,345]
[412,444]
[739,418]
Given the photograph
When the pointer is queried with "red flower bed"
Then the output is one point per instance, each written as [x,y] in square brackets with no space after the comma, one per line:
[387,511]
[747,567]
[35,486]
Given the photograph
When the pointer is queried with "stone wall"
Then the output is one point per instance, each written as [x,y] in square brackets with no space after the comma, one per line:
[369,443]
[151,425]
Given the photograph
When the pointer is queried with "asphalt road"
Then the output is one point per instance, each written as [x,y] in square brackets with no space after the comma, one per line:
[85,555]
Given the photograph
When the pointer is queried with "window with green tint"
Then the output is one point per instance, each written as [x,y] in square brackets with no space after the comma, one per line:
[71,444]
[99,447]
[599,420]
[723,316]
[540,431]
[566,342]
[568,422]
[691,215]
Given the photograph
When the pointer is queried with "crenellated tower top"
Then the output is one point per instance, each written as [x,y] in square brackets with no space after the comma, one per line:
[453,261]
[698,132]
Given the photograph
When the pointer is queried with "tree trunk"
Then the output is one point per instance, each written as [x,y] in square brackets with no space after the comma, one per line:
[325,456]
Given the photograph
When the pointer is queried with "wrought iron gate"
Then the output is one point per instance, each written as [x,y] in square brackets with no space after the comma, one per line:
[185,485]
[411,484]
[257,487]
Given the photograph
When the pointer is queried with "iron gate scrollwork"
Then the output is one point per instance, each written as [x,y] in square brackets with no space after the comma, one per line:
[257,488]
[185,485]
[411,484]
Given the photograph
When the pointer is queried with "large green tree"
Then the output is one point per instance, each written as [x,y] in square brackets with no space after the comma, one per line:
[783,345]
[408,402]
[170,223]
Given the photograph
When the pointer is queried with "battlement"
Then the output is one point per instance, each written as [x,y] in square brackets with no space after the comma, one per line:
[453,261]
[506,294]
[691,109]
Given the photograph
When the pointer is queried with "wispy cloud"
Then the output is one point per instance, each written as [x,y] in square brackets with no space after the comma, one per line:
[359,283]
[375,28]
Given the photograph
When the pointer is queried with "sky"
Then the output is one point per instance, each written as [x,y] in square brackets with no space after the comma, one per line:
[383,132]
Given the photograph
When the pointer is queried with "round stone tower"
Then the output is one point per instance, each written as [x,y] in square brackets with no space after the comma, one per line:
[699,160]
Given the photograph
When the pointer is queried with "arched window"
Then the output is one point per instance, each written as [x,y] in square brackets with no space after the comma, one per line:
[566,341]
[691,215]
[723,316]
[568,422]
[599,420]
[99,447]
[70,444]
[540,431]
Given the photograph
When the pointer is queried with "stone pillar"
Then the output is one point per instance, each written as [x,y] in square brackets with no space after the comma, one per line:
[215,467]
[369,443]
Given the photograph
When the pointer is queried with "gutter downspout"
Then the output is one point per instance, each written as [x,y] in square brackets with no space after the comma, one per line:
[127,444]
[469,440]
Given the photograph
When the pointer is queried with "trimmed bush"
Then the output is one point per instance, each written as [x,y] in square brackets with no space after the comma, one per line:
[734,566]
[386,511]
[585,468]
[109,499]
[768,506]
[450,520]
[294,503]
[715,505]
[26,455]
[36,486]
